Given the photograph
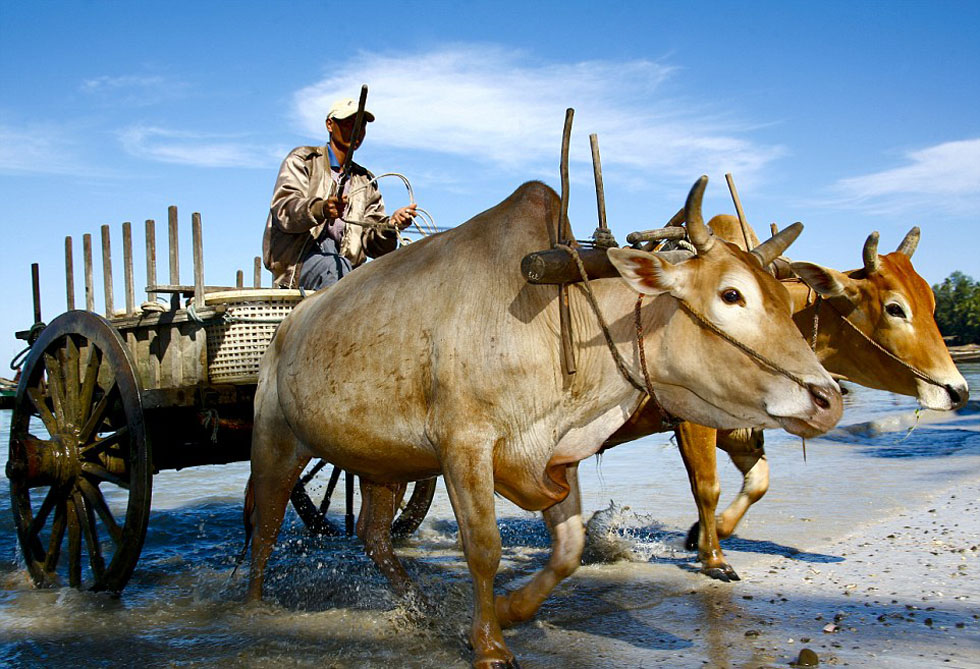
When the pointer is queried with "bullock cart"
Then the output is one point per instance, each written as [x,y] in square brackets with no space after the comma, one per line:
[107,400]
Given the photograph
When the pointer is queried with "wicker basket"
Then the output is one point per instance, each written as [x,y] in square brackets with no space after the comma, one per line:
[236,342]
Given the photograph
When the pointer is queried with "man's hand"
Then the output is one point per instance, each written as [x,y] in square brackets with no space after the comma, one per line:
[403,217]
[335,206]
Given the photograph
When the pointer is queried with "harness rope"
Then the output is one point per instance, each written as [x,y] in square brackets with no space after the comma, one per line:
[647,387]
[813,342]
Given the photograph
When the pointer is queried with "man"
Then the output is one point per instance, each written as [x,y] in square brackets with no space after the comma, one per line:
[314,234]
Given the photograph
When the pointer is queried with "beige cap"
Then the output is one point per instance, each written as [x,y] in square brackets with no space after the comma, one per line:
[347,108]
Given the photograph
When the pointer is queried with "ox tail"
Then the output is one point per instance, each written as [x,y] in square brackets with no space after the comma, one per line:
[248,508]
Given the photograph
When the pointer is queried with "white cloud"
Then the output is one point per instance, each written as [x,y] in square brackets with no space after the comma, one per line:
[945,178]
[38,149]
[201,150]
[134,89]
[495,105]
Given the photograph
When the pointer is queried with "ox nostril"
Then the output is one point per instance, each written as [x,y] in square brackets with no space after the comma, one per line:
[820,396]
[956,396]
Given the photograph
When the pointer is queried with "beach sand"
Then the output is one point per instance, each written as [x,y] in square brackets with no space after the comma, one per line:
[902,591]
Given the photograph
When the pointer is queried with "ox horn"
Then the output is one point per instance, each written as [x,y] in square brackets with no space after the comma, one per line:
[772,248]
[870,254]
[910,242]
[699,233]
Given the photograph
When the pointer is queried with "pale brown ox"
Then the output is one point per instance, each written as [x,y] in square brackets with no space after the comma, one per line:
[890,342]
[383,380]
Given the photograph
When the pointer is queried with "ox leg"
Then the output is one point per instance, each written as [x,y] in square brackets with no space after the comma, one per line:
[276,465]
[379,503]
[468,474]
[564,521]
[747,452]
[697,446]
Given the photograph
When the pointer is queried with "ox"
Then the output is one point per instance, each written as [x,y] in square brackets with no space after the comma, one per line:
[396,386]
[874,327]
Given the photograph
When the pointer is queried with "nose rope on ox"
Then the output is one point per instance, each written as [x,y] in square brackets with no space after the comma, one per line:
[813,342]
[647,386]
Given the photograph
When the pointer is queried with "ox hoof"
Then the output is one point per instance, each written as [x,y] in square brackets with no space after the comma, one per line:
[691,542]
[724,574]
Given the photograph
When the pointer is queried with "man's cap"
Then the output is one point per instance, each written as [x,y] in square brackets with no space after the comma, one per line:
[347,108]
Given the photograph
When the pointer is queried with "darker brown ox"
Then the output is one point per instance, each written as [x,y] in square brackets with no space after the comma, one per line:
[381,378]
[889,341]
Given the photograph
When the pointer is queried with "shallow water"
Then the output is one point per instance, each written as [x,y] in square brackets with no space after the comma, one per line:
[328,607]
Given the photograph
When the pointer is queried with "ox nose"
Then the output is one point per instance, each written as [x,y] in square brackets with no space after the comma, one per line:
[821,395]
[958,396]
[829,403]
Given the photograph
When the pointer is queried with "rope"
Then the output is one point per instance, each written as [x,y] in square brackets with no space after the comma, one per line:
[690,311]
[620,363]
[752,353]
[913,370]
[430,222]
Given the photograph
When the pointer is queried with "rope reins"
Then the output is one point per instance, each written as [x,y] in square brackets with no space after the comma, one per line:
[915,371]
[696,316]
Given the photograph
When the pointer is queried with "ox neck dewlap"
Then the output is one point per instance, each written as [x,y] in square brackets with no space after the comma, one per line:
[816,325]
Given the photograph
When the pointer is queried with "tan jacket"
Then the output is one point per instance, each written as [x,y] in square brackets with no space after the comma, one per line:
[293,225]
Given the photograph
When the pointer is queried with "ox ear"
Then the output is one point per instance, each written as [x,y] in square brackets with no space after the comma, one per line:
[825,281]
[645,272]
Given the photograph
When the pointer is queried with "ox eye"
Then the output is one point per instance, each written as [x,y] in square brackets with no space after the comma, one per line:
[732,296]
[895,310]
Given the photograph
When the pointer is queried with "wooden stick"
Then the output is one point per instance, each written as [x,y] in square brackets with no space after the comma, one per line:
[600,195]
[151,258]
[257,277]
[174,254]
[198,260]
[656,234]
[239,279]
[36,290]
[69,275]
[128,267]
[738,210]
[564,312]
[565,140]
[87,259]
[107,272]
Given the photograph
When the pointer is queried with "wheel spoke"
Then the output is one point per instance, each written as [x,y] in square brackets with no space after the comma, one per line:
[91,378]
[100,473]
[331,484]
[308,476]
[74,547]
[68,357]
[100,446]
[53,497]
[95,500]
[41,407]
[86,519]
[56,387]
[54,542]
[98,414]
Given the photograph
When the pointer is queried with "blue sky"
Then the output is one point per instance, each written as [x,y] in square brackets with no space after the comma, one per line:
[850,117]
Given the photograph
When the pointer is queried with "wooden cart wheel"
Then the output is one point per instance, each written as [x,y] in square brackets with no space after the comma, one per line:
[79,464]
[314,515]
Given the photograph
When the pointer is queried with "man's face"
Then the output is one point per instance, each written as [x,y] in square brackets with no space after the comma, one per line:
[340,130]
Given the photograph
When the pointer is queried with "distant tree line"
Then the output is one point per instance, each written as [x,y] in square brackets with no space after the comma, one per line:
[958,308]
